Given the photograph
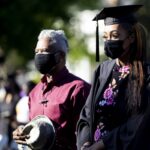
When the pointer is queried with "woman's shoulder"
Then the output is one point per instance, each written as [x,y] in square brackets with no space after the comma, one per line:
[105,65]
[108,62]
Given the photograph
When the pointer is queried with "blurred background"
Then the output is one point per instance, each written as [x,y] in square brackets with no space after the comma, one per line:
[22,20]
[20,23]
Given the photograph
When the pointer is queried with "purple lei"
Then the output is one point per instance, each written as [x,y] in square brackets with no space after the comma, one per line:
[108,93]
[124,69]
[108,97]
[97,135]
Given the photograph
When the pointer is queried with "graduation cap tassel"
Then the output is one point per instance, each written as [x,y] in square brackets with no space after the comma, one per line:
[97,42]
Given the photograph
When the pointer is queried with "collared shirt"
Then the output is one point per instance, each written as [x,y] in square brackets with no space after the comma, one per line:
[61,100]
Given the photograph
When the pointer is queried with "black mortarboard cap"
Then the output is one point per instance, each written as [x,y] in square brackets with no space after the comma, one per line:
[114,15]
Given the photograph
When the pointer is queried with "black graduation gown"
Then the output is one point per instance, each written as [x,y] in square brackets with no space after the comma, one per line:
[121,137]
[142,137]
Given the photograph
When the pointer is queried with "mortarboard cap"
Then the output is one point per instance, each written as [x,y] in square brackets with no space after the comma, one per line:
[114,15]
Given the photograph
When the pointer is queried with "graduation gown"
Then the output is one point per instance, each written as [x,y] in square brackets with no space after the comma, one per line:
[141,141]
[121,137]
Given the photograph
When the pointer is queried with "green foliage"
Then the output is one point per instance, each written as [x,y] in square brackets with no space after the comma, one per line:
[77,48]
[144,18]
[22,20]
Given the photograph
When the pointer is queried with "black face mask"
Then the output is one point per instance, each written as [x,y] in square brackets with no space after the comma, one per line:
[114,49]
[45,62]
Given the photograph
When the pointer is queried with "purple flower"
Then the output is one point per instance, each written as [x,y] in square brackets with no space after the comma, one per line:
[108,93]
[97,135]
[110,101]
[102,103]
[124,69]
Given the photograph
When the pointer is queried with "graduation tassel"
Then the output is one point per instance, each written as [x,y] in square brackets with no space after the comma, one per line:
[97,42]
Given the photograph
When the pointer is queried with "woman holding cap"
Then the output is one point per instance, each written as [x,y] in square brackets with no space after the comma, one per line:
[119,94]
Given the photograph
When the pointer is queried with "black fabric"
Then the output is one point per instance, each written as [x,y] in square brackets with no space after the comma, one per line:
[114,48]
[114,113]
[141,141]
[85,123]
[118,14]
[45,62]
[121,137]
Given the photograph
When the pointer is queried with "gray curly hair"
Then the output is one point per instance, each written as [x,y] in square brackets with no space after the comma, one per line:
[57,38]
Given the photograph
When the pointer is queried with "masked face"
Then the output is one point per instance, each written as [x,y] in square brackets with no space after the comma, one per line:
[45,58]
[117,41]
[45,63]
[114,49]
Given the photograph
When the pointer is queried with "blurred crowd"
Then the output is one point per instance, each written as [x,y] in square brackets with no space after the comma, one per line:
[13,105]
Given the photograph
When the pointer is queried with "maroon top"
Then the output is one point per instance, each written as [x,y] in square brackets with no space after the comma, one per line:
[61,100]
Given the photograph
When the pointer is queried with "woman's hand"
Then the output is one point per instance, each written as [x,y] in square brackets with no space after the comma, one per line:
[96,146]
[85,145]
[19,137]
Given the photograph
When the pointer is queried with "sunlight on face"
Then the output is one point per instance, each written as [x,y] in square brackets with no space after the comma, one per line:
[114,32]
[117,32]
[43,46]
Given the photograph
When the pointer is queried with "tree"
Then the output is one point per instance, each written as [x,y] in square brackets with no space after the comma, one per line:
[22,20]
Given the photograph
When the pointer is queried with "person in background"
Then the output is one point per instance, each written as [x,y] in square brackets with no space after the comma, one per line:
[119,95]
[22,108]
[59,95]
[8,103]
